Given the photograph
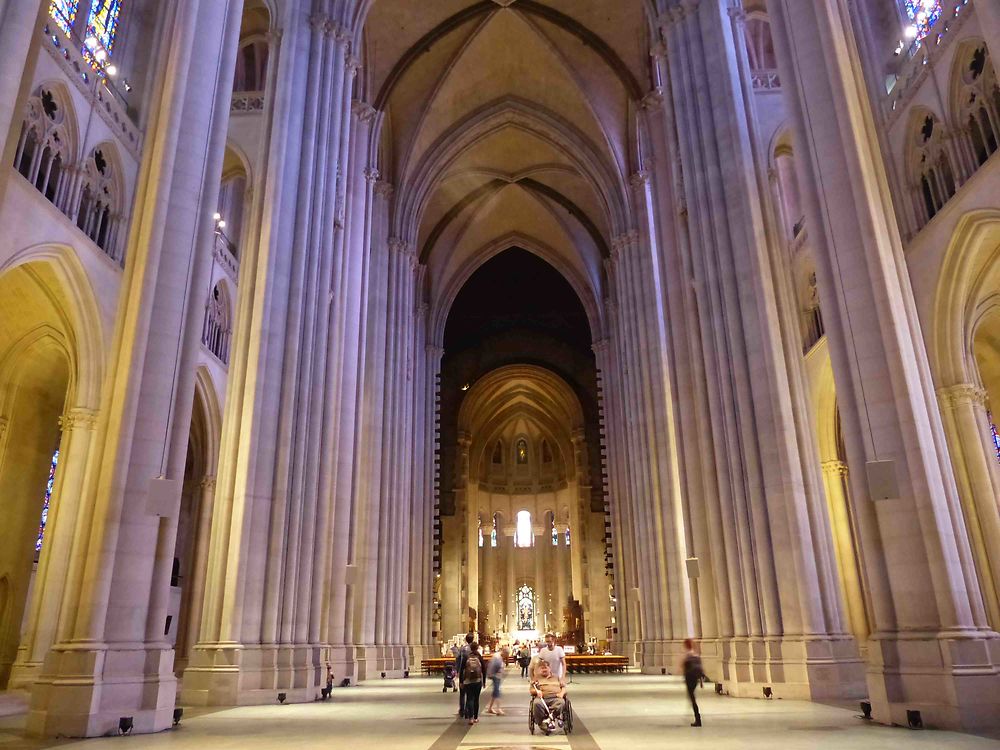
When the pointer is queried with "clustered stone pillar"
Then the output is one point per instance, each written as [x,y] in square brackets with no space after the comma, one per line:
[111,643]
[931,648]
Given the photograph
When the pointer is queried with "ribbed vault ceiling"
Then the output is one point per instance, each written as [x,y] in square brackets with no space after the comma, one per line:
[507,119]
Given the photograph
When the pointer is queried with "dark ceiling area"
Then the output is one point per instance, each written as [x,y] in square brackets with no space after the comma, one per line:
[516,309]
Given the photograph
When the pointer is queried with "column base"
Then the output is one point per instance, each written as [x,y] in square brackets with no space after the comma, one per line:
[793,667]
[374,661]
[23,674]
[84,688]
[233,674]
[952,678]
[660,657]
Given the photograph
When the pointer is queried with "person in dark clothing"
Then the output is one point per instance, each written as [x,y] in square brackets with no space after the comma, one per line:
[463,654]
[523,659]
[472,682]
[693,675]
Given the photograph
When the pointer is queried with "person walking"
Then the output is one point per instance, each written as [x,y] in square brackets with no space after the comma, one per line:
[460,657]
[472,682]
[495,671]
[693,675]
[524,659]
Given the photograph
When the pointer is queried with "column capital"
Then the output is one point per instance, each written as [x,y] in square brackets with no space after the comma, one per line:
[639,179]
[835,468]
[371,175]
[623,240]
[653,101]
[601,346]
[207,483]
[364,112]
[434,350]
[78,418]
[737,14]
[384,189]
[961,394]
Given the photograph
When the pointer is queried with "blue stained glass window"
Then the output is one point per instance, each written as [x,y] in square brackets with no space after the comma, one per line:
[63,14]
[48,499]
[567,536]
[996,436]
[924,14]
[555,536]
[103,21]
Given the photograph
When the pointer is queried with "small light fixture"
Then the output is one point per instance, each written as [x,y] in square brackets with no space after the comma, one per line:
[221,224]
[178,713]
[768,692]
[111,70]
[125,725]
[866,711]
[217,216]
[126,85]
[465,387]
[100,55]
[910,32]
[91,42]
[914,720]
[281,697]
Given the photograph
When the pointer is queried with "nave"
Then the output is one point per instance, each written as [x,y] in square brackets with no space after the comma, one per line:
[613,712]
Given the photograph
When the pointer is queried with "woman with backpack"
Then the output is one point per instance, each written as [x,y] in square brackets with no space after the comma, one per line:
[524,659]
[472,682]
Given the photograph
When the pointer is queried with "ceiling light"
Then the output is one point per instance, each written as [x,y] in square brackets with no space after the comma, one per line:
[111,70]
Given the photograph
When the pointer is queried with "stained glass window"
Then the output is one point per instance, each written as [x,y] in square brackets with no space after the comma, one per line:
[48,499]
[63,14]
[567,536]
[480,532]
[525,608]
[522,451]
[924,14]
[103,21]
[555,535]
[993,432]
[493,532]
[522,532]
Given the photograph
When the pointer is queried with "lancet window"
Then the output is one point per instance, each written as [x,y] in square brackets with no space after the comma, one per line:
[932,171]
[521,451]
[217,329]
[525,608]
[923,14]
[494,531]
[63,14]
[102,22]
[498,453]
[979,104]
[251,65]
[46,501]
[43,150]
[480,531]
[522,530]
[995,435]
[98,214]
[760,53]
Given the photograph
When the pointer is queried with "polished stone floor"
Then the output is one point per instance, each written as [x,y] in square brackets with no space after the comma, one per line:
[614,712]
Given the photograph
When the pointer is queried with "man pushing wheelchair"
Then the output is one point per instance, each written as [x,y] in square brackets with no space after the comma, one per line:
[549,706]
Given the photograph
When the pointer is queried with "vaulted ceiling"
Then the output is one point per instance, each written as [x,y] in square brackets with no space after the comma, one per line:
[508,123]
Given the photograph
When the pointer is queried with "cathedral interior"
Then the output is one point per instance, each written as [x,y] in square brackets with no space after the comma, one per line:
[334,330]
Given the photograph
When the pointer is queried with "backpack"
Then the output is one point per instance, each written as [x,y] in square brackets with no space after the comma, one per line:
[473,671]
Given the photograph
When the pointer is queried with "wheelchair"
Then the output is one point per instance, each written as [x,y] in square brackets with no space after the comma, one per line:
[563,720]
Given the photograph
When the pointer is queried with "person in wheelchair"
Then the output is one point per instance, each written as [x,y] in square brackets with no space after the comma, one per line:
[548,694]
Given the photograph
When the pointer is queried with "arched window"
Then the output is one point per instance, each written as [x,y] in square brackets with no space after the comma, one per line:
[555,534]
[522,531]
[480,531]
[521,451]
[43,149]
[760,53]
[102,22]
[498,453]
[979,103]
[932,170]
[546,452]
[232,192]
[217,328]
[525,608]
[46,501]
[494,531]
[99,210]
[63,14]
[993,432]
[567,535]
[923,14]
[251,65]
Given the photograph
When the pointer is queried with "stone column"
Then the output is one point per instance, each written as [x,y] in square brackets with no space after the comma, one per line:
[835,475]
[120,661]
[61,531]
[510,605]
[931,648]
[561,553]
[541,585]
[21,34]
[978,474]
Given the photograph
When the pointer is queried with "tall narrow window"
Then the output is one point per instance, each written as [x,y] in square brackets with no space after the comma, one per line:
[103,22]
[493,531]
[525,608]
[923,14]
[993,432]
[46,501]
[567,536]
[522,451]
[63,14]
[480,531]
[522,532]
[555,534]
